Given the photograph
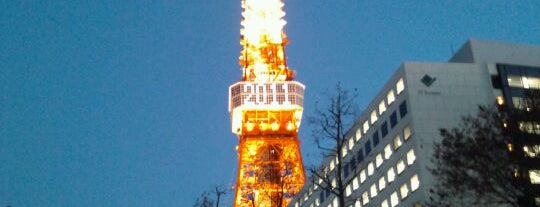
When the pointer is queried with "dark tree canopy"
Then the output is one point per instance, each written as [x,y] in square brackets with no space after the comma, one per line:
[472,164]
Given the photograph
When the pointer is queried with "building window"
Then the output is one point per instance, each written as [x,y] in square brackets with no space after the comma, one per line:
[373,190]
[367,147]
[387,151]
[411,157]
[407,132]
[530,127]
[403,109]
[362,176]
[384,203]
[531,151]
[394,200]
[321,196]
[373,116]
[335,202]
[358,134]
[332,165]
[397,142]
[360,155]
[382,107]
[382,183]
[344,151]
[400,86]
[400,166]
[524,82]
[348,190]
[365,198]
[404,191]
[357,203]
[393,119]
[415,183]
[384,129]
[534,175]
[390,175]
[390,97]
[375,138]
[366,126]
[378,160]
[370,169]
[355,183]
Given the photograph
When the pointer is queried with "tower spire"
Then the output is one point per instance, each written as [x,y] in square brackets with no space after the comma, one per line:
[266,109]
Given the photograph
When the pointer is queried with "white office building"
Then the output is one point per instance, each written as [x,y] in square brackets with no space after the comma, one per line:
[389,147]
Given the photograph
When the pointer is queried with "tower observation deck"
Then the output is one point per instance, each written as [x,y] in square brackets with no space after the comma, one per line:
[266,108]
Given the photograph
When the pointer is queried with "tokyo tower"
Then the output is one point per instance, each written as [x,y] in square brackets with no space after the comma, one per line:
[266,108]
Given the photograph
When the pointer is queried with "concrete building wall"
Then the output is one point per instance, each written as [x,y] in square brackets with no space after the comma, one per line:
[436,95]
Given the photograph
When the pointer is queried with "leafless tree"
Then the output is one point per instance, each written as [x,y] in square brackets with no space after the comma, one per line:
[330,124]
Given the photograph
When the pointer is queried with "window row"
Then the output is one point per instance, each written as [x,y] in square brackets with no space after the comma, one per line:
[530,127]
[383,181]
[382,132]
[404,191]
[363,152]
[526,82]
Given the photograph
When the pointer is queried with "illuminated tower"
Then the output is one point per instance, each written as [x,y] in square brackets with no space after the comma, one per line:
[266,109]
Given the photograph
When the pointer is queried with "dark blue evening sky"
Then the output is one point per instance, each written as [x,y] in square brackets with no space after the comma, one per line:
[117,103]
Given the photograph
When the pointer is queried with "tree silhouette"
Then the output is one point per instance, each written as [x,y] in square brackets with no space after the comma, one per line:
[329,134]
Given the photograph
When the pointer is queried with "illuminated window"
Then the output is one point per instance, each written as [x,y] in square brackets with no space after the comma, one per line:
[400,167]
[521,103]
[370,169]
[351,143]
[362,176]
[400,86]
[373,116]
[335,202]
[415,183]
[534,175]
[358,134]
[410,157]
[366,126]
[373,190]
[387,151]
[397,142]
[355,183]
[515,81]
[382,183]
[390,175]
[384,203]
[382,107]
[378,160]
[390,97]
[532,151]
[332,165]
[404,191]
[394,200]
[344,151]
[348,190]
[334,183]
[357,204]
[530,127]
[407,132]
[365,198]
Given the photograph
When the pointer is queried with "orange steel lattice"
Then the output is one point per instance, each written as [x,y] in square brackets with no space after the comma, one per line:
[266,108]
